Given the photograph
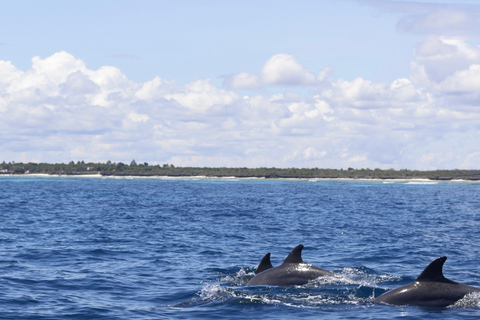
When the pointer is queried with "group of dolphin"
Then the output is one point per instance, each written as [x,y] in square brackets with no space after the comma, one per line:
[430,289]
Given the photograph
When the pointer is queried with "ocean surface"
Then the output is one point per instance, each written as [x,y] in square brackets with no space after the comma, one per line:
[150,248]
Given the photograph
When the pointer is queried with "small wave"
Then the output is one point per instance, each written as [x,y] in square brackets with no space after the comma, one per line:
[232,178]
[238,279]
[297,297]
[310,300]
[410,182]
[421,182]
[471,300]
[336,280]
[333,291]
[366,277]
[215,292]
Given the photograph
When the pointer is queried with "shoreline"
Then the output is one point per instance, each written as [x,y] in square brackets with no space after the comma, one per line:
[45,175]
[134,170]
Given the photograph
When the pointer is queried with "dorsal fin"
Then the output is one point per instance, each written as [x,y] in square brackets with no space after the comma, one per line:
[433,272]
[264,264]
[295,256]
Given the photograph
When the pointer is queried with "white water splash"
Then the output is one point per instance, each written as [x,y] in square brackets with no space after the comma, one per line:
[238,279]
[471,300]
[421,182]
[364,278]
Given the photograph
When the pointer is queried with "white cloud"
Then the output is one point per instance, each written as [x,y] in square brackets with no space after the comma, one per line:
[244,80]
[448,70]
[441,57]
[284,69]
[323,109]
[464,81]
[79,83]
[403,90]
[445,18]
[60,110]
[136,117]
[155,89]
[57,67]
[201,95]
[110,78]
[313,153]
[472,160]
[8,73]
[436,21]
[361,93]
[281,69]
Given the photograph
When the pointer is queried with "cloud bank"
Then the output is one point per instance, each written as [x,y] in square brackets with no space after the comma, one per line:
[60,110]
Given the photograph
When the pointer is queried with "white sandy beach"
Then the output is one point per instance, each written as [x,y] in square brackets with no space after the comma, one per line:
[98,175]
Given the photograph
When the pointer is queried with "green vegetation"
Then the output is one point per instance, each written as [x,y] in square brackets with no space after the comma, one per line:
[144,169]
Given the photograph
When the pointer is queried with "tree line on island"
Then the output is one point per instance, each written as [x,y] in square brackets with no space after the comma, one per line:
[168,170]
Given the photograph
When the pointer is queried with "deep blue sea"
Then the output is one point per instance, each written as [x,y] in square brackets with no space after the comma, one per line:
[150,248]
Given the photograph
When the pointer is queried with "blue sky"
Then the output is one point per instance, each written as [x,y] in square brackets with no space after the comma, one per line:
[337,84]
[188,40]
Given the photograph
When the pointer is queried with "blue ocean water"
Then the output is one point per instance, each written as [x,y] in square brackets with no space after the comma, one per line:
[106,248]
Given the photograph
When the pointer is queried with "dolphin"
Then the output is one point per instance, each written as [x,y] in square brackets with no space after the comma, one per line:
[293,271]
[264,264]
[430,289]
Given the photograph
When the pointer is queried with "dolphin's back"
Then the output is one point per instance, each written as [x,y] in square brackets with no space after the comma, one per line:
[427,294]
[288,274]
[293,271]
[430,289]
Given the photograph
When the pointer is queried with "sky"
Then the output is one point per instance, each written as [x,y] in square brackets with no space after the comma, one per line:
[211,83]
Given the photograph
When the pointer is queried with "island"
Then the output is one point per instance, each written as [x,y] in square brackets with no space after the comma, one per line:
[168,170]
